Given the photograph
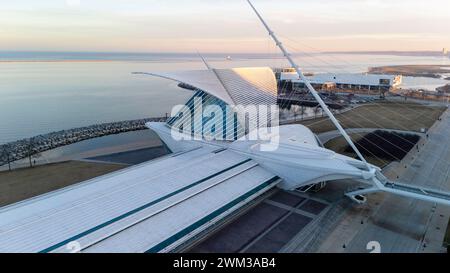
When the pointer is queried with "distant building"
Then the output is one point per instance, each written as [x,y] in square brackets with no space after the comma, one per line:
[444,51]
[345,81]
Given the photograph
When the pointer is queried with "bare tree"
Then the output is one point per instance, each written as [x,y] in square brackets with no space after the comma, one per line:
[6,155]
[30,151]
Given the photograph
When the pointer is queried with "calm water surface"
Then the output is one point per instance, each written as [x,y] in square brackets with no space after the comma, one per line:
[39,96]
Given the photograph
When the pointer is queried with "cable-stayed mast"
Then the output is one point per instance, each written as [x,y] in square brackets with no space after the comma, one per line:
[204,61]
[310,87]
[378,181]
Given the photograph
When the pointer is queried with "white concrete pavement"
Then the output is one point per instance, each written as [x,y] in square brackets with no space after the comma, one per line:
[401,224]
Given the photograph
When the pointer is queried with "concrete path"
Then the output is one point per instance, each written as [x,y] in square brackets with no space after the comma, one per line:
[401,224]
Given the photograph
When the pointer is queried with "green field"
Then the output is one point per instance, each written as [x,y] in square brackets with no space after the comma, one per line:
[387,115]
[339,145]
[22,184]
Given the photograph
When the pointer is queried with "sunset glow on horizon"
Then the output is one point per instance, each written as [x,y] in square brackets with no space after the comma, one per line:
[223,26]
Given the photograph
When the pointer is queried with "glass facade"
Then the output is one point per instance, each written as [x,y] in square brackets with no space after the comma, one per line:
[204,123]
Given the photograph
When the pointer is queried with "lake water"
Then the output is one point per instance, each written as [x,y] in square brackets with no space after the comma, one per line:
[38,95]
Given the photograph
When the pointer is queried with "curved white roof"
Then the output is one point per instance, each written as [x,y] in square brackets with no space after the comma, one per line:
[249,85]
[205,80]
[137,209]
[236,86]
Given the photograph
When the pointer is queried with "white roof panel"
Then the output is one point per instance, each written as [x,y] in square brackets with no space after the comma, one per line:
[236,86]
[101,209]
[342,78]
[205,80]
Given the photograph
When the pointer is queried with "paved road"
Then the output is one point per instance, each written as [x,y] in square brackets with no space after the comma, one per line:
[401,224]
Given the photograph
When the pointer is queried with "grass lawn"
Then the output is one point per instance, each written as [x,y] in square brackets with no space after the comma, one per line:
[339,145]
[388,115]
[25,183]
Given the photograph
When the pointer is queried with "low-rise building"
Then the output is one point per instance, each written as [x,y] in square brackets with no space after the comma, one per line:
[345,81]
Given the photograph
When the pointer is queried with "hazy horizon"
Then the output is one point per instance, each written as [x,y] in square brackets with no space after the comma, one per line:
[196,53]
[170,26]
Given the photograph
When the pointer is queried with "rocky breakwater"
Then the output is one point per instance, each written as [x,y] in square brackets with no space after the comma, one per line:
[444,89]
[28,147]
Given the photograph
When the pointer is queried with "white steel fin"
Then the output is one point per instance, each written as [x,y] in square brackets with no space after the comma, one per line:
[310,87]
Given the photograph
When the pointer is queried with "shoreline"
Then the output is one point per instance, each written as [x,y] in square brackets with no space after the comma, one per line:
[58,61]
[90,149]
[27,148]
[444,89]
[428,71]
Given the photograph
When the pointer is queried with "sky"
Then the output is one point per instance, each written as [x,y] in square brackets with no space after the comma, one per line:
[223,25]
